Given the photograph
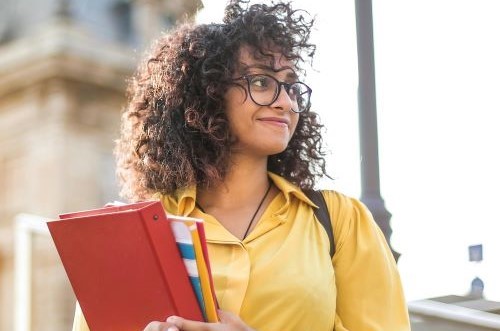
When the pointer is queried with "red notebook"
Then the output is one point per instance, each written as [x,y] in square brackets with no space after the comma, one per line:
[124,266]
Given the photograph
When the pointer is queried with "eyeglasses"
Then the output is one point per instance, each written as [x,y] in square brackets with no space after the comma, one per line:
[264,91]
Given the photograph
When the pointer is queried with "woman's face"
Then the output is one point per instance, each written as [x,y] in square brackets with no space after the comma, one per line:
[261,130]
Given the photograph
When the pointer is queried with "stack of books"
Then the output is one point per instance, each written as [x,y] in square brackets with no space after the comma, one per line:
[132,264]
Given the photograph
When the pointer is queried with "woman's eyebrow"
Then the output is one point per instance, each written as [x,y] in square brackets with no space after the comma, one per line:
[264,67]
[290,75]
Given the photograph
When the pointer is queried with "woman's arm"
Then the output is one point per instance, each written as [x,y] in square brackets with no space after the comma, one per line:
[369,290]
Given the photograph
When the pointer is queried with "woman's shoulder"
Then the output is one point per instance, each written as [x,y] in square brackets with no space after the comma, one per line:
[342,202]
[348,215]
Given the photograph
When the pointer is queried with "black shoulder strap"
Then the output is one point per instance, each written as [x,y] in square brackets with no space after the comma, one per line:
[322,215]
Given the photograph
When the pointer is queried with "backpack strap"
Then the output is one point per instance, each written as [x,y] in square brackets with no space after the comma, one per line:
[322,215]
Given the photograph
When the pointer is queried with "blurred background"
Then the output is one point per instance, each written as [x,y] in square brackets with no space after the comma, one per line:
[63,71]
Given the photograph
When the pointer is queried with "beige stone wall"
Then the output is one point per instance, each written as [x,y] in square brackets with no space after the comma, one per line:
[59,116]
[62,88]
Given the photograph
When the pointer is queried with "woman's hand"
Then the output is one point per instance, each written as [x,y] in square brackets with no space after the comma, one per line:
[228,322]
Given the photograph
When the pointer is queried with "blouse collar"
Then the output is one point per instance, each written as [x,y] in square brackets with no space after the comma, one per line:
[183,201]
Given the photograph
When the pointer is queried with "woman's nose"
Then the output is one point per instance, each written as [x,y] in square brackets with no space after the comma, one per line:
[283,101]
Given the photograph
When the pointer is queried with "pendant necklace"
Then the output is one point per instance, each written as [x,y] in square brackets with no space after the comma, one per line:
[254,214]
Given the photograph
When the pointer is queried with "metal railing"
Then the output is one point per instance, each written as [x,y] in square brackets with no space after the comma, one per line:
[455,313]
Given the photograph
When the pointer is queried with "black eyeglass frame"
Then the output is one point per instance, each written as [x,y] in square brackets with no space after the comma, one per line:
[287,87]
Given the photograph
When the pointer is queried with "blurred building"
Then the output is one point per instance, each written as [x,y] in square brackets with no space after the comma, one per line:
[63,71]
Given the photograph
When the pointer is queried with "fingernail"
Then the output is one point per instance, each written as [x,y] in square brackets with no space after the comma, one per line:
[172,319]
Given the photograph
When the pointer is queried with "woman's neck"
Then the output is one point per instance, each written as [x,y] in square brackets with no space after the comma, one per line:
[245,182]
[241,199]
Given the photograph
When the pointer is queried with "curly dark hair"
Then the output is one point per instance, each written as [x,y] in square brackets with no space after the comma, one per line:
[175,132]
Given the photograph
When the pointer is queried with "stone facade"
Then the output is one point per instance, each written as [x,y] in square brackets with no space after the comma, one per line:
[62,86]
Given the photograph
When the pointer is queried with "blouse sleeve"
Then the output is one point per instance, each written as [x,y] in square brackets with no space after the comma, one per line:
[79,323]
[369,290]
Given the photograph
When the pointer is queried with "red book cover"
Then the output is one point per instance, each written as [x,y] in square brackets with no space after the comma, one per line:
[124,266]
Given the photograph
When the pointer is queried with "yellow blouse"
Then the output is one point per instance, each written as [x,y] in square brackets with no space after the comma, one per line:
[281,277]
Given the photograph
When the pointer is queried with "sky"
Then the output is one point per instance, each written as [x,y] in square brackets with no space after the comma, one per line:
[438,88]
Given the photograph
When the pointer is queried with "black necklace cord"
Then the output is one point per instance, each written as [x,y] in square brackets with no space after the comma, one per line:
[257,210]
[254,214]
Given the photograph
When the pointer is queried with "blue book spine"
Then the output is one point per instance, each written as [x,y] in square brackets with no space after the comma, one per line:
[188,255]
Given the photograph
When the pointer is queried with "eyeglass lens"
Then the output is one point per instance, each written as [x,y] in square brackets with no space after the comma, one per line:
[264,90]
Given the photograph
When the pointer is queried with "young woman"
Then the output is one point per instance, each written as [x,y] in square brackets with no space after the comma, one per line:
[219,127]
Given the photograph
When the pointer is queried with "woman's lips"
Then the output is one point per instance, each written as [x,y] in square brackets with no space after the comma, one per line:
[278,121]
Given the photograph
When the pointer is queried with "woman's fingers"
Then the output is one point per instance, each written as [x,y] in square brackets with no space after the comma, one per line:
[189,325]
[227,317]
[160,326]
[233,321]
[228,322]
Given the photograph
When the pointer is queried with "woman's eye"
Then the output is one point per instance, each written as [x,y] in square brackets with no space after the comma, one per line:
[260,81]
[297,89]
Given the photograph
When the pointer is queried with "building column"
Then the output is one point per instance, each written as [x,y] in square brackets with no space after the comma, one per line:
[370,181]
